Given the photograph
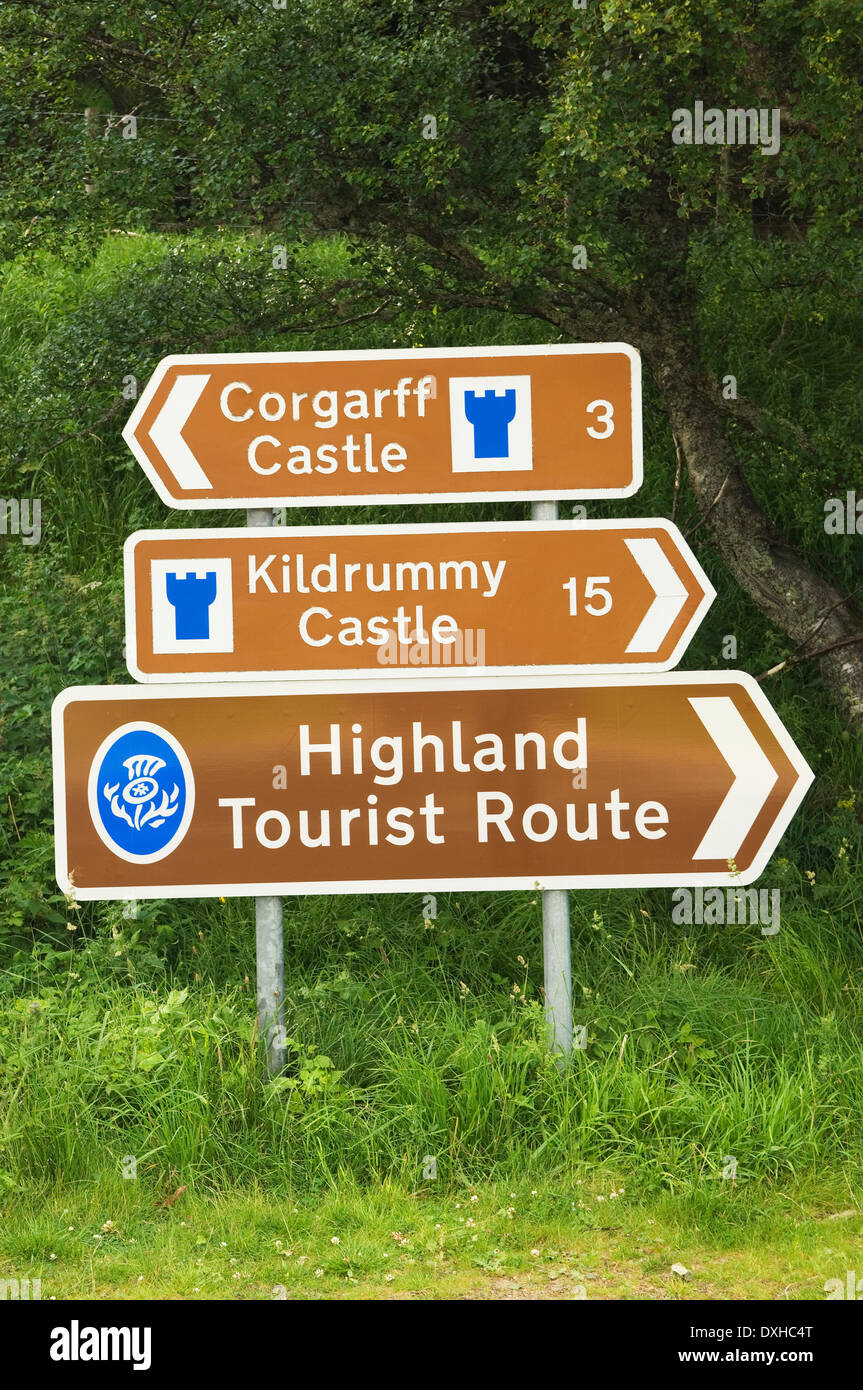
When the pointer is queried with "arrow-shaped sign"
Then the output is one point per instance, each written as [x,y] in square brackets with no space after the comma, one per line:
[418,425]
[361,786]
[482,598]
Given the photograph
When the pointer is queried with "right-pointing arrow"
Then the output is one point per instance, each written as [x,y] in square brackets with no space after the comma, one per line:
[754,776]
[166,431]
[669,590]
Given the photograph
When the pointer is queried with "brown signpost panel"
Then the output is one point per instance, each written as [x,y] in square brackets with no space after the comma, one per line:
[417,425]
[272,604]
[353,786]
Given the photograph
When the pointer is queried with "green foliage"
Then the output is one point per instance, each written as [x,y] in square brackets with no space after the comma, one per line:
[409,1038]
[552,127]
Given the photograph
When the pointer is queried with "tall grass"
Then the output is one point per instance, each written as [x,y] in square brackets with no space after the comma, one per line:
[409,1041]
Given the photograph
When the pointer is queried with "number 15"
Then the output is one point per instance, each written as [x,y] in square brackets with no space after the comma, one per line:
[594,595]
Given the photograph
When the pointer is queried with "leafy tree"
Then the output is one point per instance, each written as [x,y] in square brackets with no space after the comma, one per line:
[466,149]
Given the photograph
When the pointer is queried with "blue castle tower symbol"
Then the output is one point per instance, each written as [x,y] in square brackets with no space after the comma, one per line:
[191,598]
[491,415]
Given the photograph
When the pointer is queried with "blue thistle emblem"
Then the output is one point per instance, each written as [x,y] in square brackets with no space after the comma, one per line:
[141,792]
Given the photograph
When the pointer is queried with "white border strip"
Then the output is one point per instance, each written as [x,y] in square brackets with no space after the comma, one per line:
[519,881]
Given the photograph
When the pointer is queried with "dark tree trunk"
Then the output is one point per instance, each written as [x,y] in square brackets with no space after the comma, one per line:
[809,609]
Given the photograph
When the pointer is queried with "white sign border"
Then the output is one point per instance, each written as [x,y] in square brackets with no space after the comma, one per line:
[805,777]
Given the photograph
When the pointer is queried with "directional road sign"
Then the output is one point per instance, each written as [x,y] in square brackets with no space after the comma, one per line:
[488,597]
[380,785]
[407,425]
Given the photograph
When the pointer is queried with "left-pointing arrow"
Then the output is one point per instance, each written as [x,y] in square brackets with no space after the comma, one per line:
[166,432]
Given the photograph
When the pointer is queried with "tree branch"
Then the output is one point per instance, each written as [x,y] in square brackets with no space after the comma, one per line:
[678,470]
[790,661]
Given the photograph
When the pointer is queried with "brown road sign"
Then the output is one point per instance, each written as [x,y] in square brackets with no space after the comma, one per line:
[410,425]
[380,785]
[263,604]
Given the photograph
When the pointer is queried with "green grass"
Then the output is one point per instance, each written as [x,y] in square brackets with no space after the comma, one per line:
[598,1238]
[412,1038]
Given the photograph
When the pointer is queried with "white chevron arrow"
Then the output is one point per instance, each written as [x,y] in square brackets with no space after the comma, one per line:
[166,431]
[670,594]
[754,776]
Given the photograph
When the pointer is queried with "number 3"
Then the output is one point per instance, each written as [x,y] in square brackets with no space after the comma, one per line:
[606,418]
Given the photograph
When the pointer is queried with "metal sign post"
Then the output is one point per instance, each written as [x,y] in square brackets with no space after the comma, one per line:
[556,940]
[269,934]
